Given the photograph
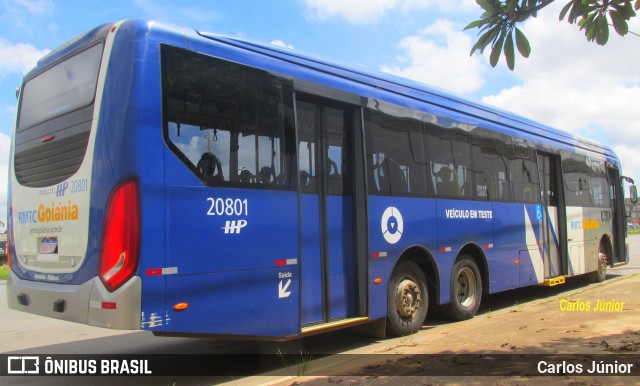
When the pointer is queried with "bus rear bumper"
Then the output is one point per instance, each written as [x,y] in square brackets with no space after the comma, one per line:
[87,303]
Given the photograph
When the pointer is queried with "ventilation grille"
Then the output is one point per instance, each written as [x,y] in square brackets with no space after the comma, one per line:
[52,162]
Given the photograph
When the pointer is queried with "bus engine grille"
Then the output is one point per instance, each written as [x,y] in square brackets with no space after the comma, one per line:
[52,162]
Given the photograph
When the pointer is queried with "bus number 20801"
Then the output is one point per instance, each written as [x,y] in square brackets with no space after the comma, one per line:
[228,207]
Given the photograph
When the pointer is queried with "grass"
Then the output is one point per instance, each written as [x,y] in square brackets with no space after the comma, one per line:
[4,271]
[633,231]
[302,364]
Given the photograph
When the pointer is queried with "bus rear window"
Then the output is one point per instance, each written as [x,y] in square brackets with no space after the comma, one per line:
[61,89]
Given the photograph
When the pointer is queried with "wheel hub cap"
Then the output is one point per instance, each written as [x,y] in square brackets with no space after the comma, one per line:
[408,298]
[466,288]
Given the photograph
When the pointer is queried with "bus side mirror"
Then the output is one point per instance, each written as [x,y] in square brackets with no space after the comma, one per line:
[633,193]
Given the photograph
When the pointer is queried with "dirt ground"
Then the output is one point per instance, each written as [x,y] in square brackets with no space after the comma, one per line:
[572,328]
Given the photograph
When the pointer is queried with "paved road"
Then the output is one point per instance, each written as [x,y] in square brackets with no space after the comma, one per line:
[29,334]
[634,258]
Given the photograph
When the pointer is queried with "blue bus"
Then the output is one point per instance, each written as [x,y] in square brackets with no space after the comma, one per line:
[185,182]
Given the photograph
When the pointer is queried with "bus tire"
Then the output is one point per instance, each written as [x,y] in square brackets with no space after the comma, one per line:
[466,290]
[407,299]
[601,273]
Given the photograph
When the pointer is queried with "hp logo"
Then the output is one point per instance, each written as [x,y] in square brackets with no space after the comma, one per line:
[233,226]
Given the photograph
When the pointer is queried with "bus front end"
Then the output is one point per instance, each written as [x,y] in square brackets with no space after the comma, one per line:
[73,249]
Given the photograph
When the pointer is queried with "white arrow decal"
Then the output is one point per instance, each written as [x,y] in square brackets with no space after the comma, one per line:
[282,291]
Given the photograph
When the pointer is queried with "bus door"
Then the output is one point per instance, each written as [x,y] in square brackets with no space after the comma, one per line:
[617,216]
[331,275]
[553,217]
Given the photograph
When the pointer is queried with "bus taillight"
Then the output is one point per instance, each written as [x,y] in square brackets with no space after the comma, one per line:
[121,237]
[7,247]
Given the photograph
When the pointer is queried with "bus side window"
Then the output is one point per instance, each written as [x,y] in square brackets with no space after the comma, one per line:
[307,147]
[450,167]
[490,166]
[447,181]
[337,169]
[395,153]
[523,174]
[241,135]
[576,173]
[599,185]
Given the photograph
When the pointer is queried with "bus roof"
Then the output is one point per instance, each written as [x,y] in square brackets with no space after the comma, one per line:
[407,88]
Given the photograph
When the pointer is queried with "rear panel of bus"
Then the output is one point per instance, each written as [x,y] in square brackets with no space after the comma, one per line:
[75,187]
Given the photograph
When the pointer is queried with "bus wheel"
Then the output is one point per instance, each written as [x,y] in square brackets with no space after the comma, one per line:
[407,299]
[466,290]
[601,274]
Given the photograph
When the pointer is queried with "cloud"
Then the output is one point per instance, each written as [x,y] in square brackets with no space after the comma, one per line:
[354,11]
[18,57]
[630,157]
[439,56]
[578,86]
[21,13]
[182,14]
[37,7]
[447,6]
[370,11]
[281,44]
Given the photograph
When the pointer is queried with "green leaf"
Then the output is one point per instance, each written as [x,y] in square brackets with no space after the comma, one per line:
[509,53]
[619,23]
[485,39]
[591,28]
[585,21]
[530,7]
[632,11]
[566,9]
[626,11]
[636,6]
[486,6]
[496,50]
[473,24]
[485,27]
[577,10]
[490,36]
[494,35]
[523,44]
[486,15]
[511,7]
[602,36]
[582,22]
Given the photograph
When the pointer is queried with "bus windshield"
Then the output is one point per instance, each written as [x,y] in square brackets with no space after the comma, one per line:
[64,88]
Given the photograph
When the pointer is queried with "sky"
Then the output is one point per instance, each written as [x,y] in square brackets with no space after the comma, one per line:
[566,83]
